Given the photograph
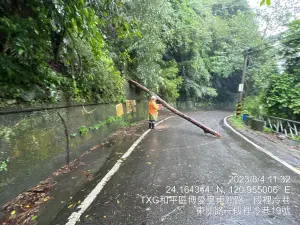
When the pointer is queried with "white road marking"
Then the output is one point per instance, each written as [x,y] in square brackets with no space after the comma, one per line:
[75,216]
[262,149]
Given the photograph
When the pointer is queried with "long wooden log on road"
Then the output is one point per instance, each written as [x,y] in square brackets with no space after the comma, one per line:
[184,116]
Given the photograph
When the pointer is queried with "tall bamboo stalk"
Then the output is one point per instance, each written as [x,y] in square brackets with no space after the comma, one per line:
[184,116]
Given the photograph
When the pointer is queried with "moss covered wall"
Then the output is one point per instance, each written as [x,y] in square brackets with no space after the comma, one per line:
[35,142]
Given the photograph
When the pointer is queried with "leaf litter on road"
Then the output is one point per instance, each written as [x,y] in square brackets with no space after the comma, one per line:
[23,209]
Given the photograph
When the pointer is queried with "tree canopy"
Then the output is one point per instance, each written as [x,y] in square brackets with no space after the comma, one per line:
[181,49]
[83,48]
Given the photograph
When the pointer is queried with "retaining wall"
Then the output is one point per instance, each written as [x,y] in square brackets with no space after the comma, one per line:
[35,141]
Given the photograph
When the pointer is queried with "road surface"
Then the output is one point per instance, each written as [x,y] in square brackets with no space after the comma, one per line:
[178,175]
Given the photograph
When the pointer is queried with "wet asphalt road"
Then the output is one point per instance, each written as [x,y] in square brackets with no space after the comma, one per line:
[179,175]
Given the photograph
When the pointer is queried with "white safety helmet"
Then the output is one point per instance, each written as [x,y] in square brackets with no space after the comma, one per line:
[153,97]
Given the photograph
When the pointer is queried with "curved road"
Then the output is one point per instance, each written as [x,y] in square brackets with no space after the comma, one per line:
[179,175]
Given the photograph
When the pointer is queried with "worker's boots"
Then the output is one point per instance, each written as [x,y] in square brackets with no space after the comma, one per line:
[152,125]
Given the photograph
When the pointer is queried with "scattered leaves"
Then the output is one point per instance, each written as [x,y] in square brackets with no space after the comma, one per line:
[34,218]
[96,146]
[22,209]
[67,168]
[46,199]
[87,174]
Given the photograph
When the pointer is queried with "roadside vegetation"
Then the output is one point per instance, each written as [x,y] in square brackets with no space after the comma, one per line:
[237,122]
[183,50]
[277,91]
[268,130]
[296,138]
[82,50]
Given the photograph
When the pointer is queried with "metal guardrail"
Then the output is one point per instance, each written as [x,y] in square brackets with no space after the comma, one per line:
[285,126]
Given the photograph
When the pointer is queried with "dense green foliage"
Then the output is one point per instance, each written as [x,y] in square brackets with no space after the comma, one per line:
[181,49]
[186,49]
[3,165]
[268,2]
[279,87]
[55,45]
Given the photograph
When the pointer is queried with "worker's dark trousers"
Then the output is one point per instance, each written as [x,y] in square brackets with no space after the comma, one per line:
[151,124]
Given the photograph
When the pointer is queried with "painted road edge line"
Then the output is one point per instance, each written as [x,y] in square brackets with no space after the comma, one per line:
[75,216]
[261,149]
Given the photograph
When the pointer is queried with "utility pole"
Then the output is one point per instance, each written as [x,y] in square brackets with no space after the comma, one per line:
[241,85]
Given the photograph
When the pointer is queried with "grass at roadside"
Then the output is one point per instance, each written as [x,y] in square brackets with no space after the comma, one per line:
[296,138]
[236,122]
[239,124]
[268,130]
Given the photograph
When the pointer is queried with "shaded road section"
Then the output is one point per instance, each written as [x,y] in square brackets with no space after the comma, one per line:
[179,175]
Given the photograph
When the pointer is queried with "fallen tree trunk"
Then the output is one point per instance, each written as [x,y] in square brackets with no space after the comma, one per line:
[193,121]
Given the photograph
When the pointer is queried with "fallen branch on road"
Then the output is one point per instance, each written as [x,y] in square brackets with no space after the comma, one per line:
[184,116]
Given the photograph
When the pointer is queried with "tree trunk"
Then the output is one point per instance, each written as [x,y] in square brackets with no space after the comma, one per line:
[193,121]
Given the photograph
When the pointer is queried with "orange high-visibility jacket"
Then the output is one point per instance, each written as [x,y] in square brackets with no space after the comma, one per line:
[153,107]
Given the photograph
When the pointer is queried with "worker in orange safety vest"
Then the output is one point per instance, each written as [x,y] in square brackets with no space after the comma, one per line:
[153,112]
